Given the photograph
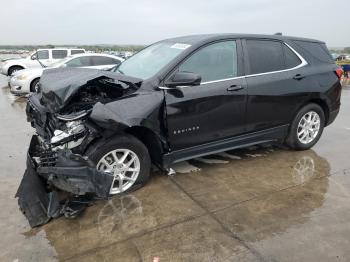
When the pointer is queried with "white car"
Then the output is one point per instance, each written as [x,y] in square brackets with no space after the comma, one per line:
[42,57]
[27,80]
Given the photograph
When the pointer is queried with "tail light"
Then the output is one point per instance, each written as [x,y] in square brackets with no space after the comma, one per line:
[339,72]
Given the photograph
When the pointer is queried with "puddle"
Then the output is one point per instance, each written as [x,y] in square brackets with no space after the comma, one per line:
[304,169]
[113,216]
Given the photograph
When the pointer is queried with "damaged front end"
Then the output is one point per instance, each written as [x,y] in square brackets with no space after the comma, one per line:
[59,178]
[49,174]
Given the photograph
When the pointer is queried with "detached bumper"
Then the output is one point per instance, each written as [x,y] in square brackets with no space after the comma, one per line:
[49,172]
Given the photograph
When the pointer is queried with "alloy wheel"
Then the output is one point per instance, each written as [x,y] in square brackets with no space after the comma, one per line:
[308,127]
[124,165]
[37,88]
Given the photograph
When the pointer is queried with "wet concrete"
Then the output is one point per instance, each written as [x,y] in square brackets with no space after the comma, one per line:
[263,203]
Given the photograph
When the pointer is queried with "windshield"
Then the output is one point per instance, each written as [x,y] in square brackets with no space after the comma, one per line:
[31,54]
[151,60]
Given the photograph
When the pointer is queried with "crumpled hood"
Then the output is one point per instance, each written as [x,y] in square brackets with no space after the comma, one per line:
[59,85]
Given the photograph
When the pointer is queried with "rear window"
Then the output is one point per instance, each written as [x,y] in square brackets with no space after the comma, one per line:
[59,54]
[104,60]
[79,62]
[265,56]
[317,50]
[76,51]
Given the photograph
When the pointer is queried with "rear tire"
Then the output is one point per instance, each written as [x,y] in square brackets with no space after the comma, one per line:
[108,156]
[306,128]
[14,69]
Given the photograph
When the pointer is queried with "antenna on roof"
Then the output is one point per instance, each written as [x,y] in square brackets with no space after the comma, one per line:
[278,33]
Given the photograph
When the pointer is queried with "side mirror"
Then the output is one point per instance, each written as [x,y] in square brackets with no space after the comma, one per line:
[33,57]
[63,66]
[184,79]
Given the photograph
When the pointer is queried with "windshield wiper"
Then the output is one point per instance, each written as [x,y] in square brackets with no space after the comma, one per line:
[116,69]
[120,71]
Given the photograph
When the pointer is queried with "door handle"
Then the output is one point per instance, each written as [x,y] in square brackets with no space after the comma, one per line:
[235,88]
[298,77]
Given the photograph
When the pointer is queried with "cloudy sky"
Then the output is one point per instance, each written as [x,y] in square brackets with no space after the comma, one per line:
[146,21]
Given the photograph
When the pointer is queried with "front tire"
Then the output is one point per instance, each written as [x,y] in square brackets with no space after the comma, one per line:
[306,128]
[34,87]
[126,158]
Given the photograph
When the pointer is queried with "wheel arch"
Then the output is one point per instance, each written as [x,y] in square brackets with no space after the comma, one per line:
[12,66]
[151,140]
[323,104]
[318,101]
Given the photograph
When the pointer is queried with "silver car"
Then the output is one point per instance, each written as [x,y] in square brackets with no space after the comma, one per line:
[27,80]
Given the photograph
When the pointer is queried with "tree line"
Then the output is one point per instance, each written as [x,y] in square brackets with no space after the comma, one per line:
[95,48]
[345,50]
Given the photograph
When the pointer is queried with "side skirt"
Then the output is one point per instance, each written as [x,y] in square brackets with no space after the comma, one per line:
[268,135]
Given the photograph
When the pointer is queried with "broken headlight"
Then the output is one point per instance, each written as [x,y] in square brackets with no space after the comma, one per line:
[71,137]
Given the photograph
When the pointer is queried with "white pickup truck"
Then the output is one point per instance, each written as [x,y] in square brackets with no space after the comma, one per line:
[38,59]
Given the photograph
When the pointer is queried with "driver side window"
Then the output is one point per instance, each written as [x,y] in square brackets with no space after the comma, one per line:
[41,54]
[213,62]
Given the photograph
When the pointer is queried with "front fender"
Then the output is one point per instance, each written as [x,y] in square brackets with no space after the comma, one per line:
[144,109]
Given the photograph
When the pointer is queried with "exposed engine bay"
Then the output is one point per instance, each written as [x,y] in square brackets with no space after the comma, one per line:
[60,114]
[99,90]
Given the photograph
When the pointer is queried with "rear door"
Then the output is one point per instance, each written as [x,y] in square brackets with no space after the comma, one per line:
[272,77]
[44,57]
[215,109]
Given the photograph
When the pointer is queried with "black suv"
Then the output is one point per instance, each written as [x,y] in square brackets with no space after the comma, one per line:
[98,132]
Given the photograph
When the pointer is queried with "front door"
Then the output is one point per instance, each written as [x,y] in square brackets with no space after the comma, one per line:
[44,57]
[215,109]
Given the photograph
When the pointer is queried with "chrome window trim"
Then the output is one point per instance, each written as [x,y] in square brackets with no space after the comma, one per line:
[302,64]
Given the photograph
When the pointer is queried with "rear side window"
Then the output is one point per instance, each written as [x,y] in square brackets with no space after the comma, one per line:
[58,54]
[265,56]
[79,62]
[213,62]
[76,51]
[43,54]
[292,60]
[317,50]
[103,60]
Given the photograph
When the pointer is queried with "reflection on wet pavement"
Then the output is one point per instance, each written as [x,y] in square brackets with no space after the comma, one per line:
[264,203]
